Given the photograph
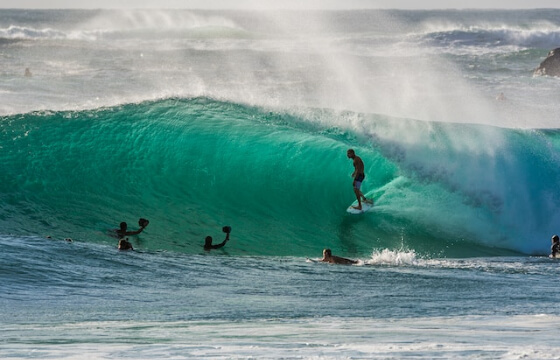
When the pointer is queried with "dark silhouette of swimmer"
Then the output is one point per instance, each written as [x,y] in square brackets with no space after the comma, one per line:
[208,240]
[124,244]
[555,247]
[330,258]
[123,230]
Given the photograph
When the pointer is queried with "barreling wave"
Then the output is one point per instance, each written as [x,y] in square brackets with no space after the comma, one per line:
[281,180]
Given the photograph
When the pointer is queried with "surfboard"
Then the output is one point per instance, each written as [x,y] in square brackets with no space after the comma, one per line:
[365,207]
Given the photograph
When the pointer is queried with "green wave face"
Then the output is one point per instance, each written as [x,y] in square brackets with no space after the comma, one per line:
[281,180]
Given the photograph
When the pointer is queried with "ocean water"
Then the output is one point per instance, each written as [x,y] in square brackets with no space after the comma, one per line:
[200,119]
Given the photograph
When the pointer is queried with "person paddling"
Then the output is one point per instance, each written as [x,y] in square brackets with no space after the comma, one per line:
[330,258]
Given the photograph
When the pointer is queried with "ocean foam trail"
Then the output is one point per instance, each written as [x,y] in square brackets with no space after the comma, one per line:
[497,337]
[281,181]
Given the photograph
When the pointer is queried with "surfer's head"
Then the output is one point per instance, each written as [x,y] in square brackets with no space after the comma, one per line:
[208,241]
[123,226]
[327,253]
[350,153]
[555,238]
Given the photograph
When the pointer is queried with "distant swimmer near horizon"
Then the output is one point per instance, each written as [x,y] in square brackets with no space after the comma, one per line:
[358,177]
[555,247]
[208,240]
[328,257]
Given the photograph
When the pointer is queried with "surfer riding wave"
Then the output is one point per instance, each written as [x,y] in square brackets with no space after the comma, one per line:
[358,177]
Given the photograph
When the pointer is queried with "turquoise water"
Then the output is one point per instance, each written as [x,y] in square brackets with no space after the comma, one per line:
[200,119]
[280,180]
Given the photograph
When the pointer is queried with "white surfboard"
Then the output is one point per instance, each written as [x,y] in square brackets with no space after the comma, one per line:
[366,206]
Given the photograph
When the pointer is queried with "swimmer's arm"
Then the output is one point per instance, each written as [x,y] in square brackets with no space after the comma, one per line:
[136,232]
[222,243]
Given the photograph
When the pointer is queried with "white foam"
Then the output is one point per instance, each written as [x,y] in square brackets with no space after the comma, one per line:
[391,257]
[465,337]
